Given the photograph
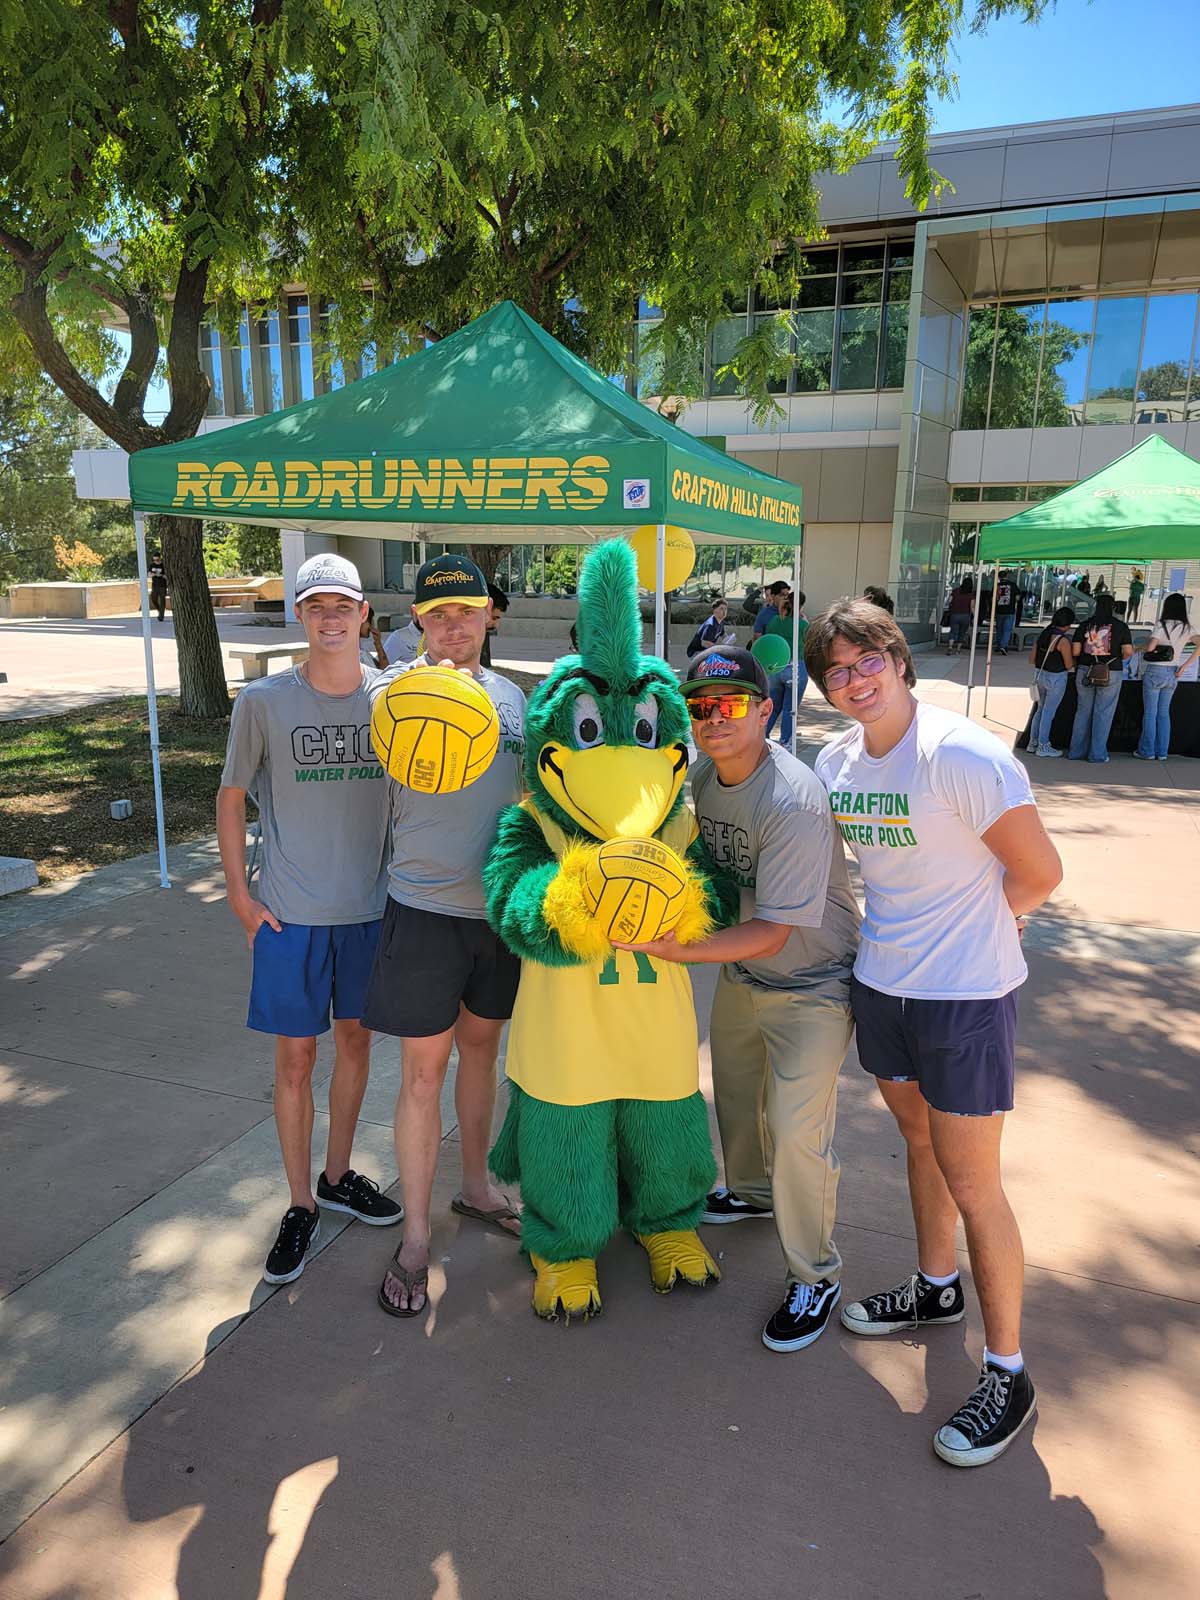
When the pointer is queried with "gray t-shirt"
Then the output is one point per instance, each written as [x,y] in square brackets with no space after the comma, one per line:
[440,841]
[306,759]
[403,644]
[775,833]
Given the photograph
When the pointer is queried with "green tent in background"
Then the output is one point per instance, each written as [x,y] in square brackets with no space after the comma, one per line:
[1144,507]
[497,430]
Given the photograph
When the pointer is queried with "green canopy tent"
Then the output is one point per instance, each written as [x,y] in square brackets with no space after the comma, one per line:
[496,432]
[1145,506]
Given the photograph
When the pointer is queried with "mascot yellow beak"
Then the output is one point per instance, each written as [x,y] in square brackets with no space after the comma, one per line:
[614,791]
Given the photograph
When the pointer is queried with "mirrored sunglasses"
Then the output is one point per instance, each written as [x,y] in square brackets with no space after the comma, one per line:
[865,667]
[731,706]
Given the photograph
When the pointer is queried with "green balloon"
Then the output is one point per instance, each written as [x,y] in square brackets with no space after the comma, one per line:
[773,652]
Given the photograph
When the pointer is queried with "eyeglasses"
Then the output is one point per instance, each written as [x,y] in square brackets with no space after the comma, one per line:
[865,667]
[731,706]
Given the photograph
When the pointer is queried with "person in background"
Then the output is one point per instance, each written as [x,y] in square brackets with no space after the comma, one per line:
[880,597]
[714,630]
[158,584]
[1169,651]
[499,606]
[371,650]
[781,681]
[770,610]
[1101,587]
[1053,659]
[962,609]
[1137,588]
[1085,584]
[404,644]
[1006,612]
[1101,646]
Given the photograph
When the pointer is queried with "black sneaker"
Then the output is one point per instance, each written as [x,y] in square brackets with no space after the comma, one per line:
[361,1198]
[298,1232]
[915,1303]
[984,1426]
[722,1205]
[803,1316]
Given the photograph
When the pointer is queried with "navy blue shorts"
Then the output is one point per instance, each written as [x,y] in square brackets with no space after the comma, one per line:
[960,1053]
[303,973]
[429,964]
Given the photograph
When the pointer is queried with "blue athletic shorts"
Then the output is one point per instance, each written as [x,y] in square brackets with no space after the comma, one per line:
[960,1053]
[303,973]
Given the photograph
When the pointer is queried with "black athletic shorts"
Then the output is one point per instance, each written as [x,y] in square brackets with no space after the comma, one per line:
[427,963]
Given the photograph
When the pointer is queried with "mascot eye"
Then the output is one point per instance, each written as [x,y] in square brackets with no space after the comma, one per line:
[645,725]
[589,724]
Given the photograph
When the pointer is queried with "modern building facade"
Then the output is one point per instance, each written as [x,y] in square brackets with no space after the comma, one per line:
[947,369]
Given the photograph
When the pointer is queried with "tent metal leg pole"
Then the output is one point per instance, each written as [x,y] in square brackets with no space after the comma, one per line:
[987,673]
[660,599]
[974,632]
[795,646]
[139,528]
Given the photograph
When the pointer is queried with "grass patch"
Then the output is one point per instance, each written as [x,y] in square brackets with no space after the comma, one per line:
[58,776]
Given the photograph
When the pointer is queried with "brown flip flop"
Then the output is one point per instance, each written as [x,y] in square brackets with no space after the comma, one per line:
[495,1219]
[412,1278]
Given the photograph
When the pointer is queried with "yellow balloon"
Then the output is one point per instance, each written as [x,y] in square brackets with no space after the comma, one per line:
[679,556]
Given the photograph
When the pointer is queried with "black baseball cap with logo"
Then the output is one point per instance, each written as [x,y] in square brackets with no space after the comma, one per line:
[449,578]
[726,667]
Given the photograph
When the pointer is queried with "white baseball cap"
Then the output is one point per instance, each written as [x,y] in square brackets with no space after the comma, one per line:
[328,574]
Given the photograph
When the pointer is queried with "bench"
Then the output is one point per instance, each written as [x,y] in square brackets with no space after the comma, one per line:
[231,597]
[254,657]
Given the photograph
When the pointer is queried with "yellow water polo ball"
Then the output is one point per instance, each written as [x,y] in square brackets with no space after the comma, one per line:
[434,730]
[634,889]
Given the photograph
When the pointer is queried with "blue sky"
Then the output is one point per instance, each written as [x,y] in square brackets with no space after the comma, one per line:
[1080,60]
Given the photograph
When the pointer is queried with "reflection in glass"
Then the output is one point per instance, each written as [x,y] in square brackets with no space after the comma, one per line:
[1064,365]
[862,288]
[816,261]
[726,336]
[812,292]
[895,343]
[300,356]
[210,361]
[965,492]
[863,258]
[778,325]
[243,363]
[899,285]
[1015,372]
[368,359]
[1162,384]
[977,374]
[858,355]
[1115,351]
[270,361]
[814,351]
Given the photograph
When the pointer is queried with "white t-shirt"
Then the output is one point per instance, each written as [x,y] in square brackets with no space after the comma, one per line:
[1176,634]
[937,925]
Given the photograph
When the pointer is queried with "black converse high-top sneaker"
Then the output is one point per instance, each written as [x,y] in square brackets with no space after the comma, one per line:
[915,1303]
[986,1424]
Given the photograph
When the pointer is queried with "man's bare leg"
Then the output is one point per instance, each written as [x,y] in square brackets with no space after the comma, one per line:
[423,1065]
[968,1152]
[351,1064]
[294,1062]
[933,1208]
[478,1041]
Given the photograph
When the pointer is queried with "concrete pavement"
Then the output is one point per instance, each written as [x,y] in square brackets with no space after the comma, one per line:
[172,1427]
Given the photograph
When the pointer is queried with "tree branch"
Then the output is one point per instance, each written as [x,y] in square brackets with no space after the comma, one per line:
[374,254]
[129,397]
[550,270]
[190,385]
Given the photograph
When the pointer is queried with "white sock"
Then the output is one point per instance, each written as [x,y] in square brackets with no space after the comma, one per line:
[938,1283]
[1015,1363]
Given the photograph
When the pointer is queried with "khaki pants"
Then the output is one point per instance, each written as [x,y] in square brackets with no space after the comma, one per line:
[776,1054]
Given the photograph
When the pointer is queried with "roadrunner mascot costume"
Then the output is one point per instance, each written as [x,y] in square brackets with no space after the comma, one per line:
[606,1124]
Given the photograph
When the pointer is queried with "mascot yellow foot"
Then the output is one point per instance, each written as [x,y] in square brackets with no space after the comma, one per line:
[677,1254]
[565,1288]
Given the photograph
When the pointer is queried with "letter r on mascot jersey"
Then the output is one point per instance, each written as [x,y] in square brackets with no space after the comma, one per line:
[606,1125]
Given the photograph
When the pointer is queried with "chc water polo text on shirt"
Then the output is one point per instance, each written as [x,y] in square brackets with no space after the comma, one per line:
[332,754]
[888,813]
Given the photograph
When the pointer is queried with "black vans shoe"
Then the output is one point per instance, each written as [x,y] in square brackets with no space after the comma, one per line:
[915,1303]
[298,1233]
[722,1205]
[986,1424]
[361,1198]
[803,1316]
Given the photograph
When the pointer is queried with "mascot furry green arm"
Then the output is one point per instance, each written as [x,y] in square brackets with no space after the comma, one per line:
[606,1124]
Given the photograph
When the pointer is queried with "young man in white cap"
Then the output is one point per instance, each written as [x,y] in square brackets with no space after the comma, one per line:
[442,978]
[953,854]
[299,745]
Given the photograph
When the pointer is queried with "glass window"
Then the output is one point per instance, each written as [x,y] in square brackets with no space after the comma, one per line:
[1115,351]
[647,311]
[210,361]
[858,353]
[1163,381]
[777,297]
[900,255]
[1064,364]
[300,356]
[965,492]
[863,258]
[1003,493]
[783,342]
[977,373]
[726,336]
[270,361]
[814,351]
[899,285]
[368,359]
[243,366]
[811,263]
[813,292]
[1042,491]
[1015,370]
[862,288]
[895,343]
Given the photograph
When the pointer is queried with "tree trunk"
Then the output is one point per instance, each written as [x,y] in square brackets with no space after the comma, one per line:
[487,558]
[202,688]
